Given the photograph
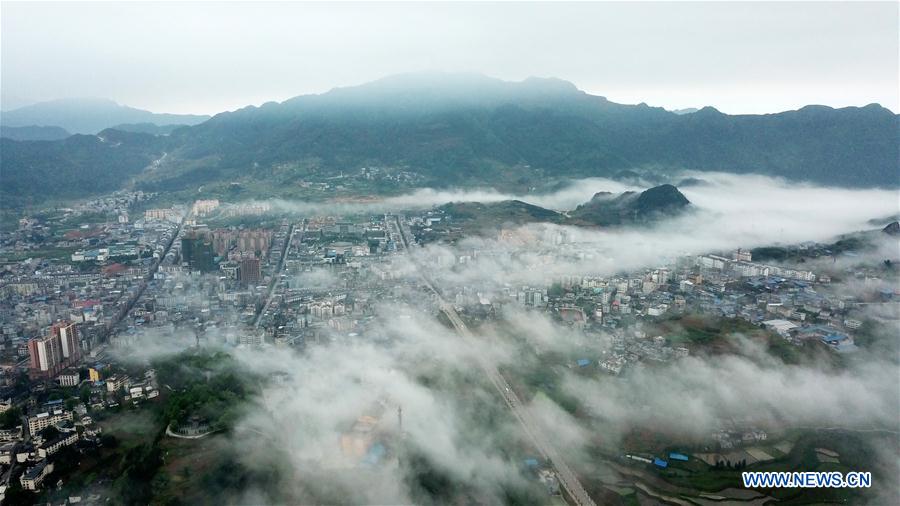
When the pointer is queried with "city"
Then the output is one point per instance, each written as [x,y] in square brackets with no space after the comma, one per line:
[449,253]
[93,295]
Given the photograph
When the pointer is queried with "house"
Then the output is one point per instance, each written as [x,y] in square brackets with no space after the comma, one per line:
[7,453]
[116,383]
[52,446]
[11,434]
[41,421]
[782,327]
[69,378]
[24,452]
[32,478]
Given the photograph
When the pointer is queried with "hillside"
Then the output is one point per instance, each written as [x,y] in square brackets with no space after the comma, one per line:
[75,167]
[604,209]
[478,215]
[462,129]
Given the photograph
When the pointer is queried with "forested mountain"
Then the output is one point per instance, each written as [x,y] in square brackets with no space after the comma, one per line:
[603,210]
[461,129]
[78,166]
[631,207]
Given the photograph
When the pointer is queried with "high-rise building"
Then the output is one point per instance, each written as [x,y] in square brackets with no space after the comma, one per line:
[251,241]
[46,355]
[197,252]
[54,352]
[249,272]
[68,337]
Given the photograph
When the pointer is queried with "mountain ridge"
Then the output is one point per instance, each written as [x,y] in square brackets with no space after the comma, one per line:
[466,130]
[89,115]
[34,133]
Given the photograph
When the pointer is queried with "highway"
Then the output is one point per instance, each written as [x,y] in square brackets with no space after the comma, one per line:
[567,478]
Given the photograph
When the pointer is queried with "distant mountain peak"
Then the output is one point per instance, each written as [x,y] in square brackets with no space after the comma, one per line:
[551,83]
[433,90]
[89,115]
[708,111]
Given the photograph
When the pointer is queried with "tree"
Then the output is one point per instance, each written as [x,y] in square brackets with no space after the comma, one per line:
[109,441]
[85,394]
[50,432]
[11,418]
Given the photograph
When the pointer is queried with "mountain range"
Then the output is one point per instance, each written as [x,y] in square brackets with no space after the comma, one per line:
[465,129]
[89,115]
[34,133]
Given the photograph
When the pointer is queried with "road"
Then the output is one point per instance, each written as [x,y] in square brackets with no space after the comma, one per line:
[276,274]
[151,273]
[567,478]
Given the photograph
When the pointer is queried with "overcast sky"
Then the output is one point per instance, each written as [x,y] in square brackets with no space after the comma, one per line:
[209,57]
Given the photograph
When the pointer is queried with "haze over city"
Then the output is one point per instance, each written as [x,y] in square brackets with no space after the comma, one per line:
[449,253]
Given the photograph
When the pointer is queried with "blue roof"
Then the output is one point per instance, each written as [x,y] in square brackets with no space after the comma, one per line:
[658,462]
[374,455]
[531,462]
[582,362]
[678,456]
[834,337]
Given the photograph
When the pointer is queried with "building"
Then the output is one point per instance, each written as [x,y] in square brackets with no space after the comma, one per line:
[68,337]
[59,442]
[742,256]
[41,421]
[69,379]
[8,453]
[249,241]
[162,214]
[115,383]
[249,273]
[197,252]
[7,435]
[204,207]
[32,478]
[54,352]
[357,441]
[45,355]
[782,327]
